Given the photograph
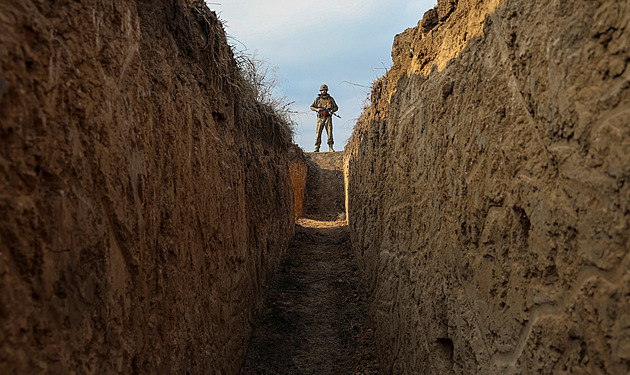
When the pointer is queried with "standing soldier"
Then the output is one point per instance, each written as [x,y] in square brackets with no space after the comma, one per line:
[325,106]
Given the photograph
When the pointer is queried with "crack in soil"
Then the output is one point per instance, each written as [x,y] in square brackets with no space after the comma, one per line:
[314,321]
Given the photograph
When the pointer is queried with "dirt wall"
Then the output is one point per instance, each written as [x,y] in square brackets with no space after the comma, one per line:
[488,194]
[324,198]
[144,196]
[298,170]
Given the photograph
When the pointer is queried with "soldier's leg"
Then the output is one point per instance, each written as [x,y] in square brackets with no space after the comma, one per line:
[329,131]
[320,127]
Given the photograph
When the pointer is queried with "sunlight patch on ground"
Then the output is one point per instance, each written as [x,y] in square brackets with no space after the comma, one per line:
[310,223]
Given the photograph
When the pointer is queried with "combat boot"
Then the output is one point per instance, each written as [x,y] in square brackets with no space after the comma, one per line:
[330,149]
[316,148]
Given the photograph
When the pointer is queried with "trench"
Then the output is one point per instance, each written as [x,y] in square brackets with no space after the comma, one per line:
[314,320]
[143,202]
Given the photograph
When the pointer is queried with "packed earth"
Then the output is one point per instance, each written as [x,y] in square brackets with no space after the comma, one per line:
[314,320]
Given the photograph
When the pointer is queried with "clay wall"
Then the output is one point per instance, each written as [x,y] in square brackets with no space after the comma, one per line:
[488,194]
[324,198]
[298,170]
[145,197]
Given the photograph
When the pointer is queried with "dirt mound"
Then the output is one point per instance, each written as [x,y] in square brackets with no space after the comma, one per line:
[488,191]
[145,197]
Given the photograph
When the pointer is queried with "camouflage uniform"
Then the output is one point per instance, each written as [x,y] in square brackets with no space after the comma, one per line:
[324,100]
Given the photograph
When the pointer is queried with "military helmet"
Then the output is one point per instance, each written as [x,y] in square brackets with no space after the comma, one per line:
[323,87]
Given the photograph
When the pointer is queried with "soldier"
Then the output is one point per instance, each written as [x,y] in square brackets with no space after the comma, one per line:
[325,106]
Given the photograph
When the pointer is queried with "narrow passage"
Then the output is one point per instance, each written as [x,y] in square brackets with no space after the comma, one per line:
[313,320]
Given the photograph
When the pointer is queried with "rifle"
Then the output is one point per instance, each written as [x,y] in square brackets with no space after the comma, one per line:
[326,112]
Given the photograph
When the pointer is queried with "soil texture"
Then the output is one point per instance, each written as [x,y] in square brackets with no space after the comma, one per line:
[145,195]
[324,197]
[313,320]
[488,196]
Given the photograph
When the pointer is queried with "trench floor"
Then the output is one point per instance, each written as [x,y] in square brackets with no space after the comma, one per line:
[314,320]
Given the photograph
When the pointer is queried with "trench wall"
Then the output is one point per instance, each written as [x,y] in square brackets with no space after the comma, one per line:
[488,194]
[324,197]
[145,196]
[298,170]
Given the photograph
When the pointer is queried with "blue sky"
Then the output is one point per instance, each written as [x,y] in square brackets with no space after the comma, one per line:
[328,41]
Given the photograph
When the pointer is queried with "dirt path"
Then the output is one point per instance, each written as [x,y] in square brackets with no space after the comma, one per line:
[313,322]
